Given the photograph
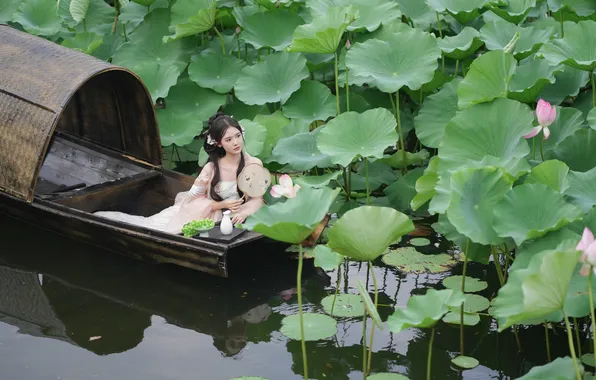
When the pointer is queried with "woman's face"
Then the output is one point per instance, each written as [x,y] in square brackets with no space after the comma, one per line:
[232,141]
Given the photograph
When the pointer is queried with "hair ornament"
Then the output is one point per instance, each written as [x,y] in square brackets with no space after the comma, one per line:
[210,140]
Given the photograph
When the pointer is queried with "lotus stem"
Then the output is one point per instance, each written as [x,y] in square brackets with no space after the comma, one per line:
[364,318]
[246,52]
[367,186]
[516,335]
[441,35]
[372,331]
[430,353]
[124,32]
[497,265]
[533,148]
[299,284]
[542,149]
[547,343]
[347,90]
[463,287]
[456,68]
[576,329]
[336,71]
[593,90]
[562,28]
[402,145]
[571,346]
[223,45]
[346,189]
[336,290]
[238,43]
[592,311]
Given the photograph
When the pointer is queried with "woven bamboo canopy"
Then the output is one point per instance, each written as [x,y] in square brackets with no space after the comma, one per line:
[45,87]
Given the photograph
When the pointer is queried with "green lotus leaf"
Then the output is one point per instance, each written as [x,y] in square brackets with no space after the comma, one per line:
[401,192]
[396,160]
[316,326]
[419,242]
[215,71]
[475,193]
[463,11]
[357,236]
[567,83]
[420,13]
[462,45]
[346,305]
[327,259]
[274,124]
[271,29]
[562,239]
[425,185]
[574,150]
[239,110]
[474,303]
[132,14]
[379,174]
[271,80]
[581,191]
[313,101]
[409,260]
[159,65]
[84,42]
[569,120]
[591,119]
[99,18]
[552,173]
[408,59]
[454,318]
[295,126]
[294,220]
[300,151]
[317,180]
[471,285]
[188,105]
[386,376]
[522,214]
[78,9]
[7,10]
[436,112]
[465,362]
[146,3]
[515,11]
[488,78]
[560,368]
[352,134]
[39,17]
[324,33]
[369,305]
[577,49]
[426,310]
[190,17]
[439,79]
[497,35]
[580,7]
[255,136]
[535,292]
[530,78]
[371,13]
[110,44]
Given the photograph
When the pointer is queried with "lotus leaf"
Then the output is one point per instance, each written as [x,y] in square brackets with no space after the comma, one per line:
[454,318]
[465,362]
[396,160]
[471,285]
[475,193]
[313,101]
[351,135]
[534,293]
[560,368]
[270,29]
[316,326]
[577,49]
[371,13]
[426,310]
[580,7]
[300,151]
[84,42]
[425,185]
[255,136]
[274,124]
[386,376]
[412,64]
[515,11]
[187,106]
[582,189]
[420,13]
[327,259]
[419,242]
[530,78]
[369,305]
[462,45]
[215,71]
[379,174]
[78,9]
[474,303]
[39,17]
[295,126]
[324,33]
[476,252]
[159,65]
[588,359]
[294,220]
[561,239]
[99,18]
[346,305]
[190,17]
[436,112]
[145,3]
[357,235]
[7,10]
[463,11]
[592,118]
[132,14]
[239,110]
[552,173]
[488,78]
[317,181]
[497,34]
[567,83]
[569,120]
[574,150]
[409,260]
[402,192]
[272,80]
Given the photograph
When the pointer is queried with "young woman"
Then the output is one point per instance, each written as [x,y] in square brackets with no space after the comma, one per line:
[214,190]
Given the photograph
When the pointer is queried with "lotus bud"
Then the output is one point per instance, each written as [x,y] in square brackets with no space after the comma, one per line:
[238,30]
[348,45]
[511,45]
[545,113]
[277,4]
[588,247]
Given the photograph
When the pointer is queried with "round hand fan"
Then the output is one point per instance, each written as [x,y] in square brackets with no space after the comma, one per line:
[254,180]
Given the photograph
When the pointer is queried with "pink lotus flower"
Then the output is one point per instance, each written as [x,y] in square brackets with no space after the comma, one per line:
[546,115]
[286,188]
[588,247]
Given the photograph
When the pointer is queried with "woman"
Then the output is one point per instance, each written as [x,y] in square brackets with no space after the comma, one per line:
[214,190]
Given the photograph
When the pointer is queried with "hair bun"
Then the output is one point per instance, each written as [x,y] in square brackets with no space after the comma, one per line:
[213,118]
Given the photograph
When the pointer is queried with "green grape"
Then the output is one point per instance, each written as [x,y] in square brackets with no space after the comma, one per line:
[193,227]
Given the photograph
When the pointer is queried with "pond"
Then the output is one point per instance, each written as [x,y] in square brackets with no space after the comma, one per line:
[72,311]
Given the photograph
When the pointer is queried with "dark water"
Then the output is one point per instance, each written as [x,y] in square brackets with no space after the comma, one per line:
[164,322]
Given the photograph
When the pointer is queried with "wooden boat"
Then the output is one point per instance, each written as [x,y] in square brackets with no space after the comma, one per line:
[79,135]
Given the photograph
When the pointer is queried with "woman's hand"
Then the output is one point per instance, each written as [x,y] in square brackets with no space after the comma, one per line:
[239,218]
[230,204]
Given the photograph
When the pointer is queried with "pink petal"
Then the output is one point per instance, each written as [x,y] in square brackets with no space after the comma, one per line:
[533,132]
[552,116]
[585,270]
[586,241]
[290,193]
[546,132]
[276,191]
[285,181]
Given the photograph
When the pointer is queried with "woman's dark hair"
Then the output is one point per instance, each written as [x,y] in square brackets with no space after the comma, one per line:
[217,126]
